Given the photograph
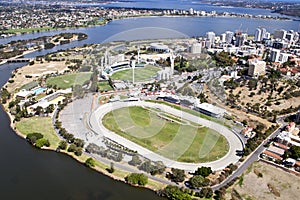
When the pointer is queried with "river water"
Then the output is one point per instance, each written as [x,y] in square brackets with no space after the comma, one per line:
[28,173]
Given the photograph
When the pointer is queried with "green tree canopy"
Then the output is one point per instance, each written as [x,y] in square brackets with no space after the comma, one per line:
[137,179]
[90,162]
[178,175]
[199,181]
[203,171]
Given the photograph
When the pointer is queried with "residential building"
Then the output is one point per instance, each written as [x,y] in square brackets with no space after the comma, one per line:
[257,68]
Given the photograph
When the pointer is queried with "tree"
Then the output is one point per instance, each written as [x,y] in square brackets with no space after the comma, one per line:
[135,178]
[72,148]
[174,193]
[42,142]
[198,181]
[203,171]
[78,151]
[63,145]
[135,160]
[178,175]
[111,169]
[78,142]
[146,166]
[205,193]
[294,152]
[90,162]
[33,137]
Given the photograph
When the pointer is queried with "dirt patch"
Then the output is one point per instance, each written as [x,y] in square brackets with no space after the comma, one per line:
[30,73]
[272,184]
[238,114]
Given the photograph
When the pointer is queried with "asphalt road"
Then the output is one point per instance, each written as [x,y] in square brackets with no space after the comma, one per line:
[251,158]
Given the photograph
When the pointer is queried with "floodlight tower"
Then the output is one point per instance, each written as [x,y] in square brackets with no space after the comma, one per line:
[133,66]
[172,59]
[298,116]
[138,56]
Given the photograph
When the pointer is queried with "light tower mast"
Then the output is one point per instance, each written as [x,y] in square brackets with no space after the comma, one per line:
[172,59]
[133,66]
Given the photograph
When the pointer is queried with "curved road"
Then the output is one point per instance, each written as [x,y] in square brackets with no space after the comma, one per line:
[233,140]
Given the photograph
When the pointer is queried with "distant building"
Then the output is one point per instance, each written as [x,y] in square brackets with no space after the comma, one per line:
[210,110]
[257,68]
[240,39]
[229,37]
[164,75]
[223,37]
[169,99]
[284,57]
[274,55]
[211,37]
[260,34]
[195,48]
[24,94]
[280,44]
[279,34]
[158,47]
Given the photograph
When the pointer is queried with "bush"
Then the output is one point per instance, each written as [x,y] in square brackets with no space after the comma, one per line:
[42,142]
[33,137]
[135,160]
[90,162]
[137,179]
[63,145]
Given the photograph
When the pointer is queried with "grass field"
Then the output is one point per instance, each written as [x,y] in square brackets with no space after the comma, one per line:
[41,125]
[141,74]
[178,141]
[193,112]
[104,86]
[68,80]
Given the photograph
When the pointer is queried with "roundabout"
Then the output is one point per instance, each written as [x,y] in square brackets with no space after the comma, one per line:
[174,152]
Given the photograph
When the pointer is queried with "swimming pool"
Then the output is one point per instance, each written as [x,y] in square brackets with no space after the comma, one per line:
[39,90]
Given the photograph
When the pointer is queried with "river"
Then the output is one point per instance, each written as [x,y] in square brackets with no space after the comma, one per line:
[28,173]
[164,27]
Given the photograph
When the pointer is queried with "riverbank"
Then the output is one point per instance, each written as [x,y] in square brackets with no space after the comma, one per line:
[117,175]
[21,31]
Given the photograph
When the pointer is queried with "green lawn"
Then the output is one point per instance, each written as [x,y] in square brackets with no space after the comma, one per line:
[193,112]
[141,74]
[104,86]
[69,80]
[177,141]
[41,125]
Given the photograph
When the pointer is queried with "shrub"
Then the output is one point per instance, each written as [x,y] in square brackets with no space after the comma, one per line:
[137,179]
[90,162]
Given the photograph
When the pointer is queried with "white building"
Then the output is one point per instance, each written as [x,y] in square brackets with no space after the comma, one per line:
[211,37]
[257,68]
[229,37]
[274,55]
[195,48]
[158,47]
[211,110]
[283,57]
[260,34]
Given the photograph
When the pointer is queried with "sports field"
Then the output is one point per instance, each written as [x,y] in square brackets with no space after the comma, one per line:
[141,74]
[167,135]
[69,80]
